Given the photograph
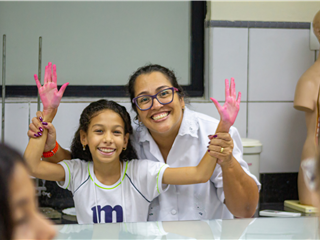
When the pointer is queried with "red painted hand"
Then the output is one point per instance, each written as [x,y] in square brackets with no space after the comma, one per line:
[229,111]
[49,94]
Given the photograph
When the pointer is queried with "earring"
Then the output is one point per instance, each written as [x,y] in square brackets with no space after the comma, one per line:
[83,147]
[124,148]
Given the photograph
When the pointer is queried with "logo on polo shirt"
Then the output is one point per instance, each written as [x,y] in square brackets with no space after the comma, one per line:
[108,210]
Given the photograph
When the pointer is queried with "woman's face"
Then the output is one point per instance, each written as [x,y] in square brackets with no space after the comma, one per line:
[28,223]
[159,119]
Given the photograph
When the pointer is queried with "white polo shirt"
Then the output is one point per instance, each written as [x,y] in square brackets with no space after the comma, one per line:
[127,200]
[189,202]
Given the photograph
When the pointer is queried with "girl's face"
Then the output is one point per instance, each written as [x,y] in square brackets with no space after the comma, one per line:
[105,137]
[159,119]
[28,222]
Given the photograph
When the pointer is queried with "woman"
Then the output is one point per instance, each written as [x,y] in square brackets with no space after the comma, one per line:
[19,216]
[169,132]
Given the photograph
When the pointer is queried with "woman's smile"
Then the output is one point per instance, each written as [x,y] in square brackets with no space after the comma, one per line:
[158,117]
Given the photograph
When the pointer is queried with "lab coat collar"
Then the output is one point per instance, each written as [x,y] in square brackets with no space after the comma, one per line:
[189,124]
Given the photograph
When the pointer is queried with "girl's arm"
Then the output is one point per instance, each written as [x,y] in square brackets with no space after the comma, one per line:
[50,97]
[202,173]
[191,175]
[42,169]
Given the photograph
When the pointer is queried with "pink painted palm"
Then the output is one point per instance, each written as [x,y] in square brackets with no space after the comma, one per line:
[49,94]
[229,111]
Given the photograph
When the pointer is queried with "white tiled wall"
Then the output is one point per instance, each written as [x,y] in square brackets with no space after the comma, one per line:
[229,54]
[266,65]
[16,125]
[281,130]
[277,58]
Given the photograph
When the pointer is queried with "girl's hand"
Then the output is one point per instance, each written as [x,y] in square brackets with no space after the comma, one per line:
[221,147]
[49,94]
[229,111]
[37,127]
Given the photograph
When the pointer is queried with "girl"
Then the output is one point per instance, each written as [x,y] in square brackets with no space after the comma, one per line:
[19,215]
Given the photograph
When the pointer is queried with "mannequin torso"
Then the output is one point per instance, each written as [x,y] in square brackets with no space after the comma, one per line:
[307,99]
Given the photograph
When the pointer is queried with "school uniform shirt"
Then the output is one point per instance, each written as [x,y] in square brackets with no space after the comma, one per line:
[127,200]
[197,201]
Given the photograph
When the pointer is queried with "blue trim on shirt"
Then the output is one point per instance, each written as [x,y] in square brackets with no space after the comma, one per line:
[137,189]
[82,184]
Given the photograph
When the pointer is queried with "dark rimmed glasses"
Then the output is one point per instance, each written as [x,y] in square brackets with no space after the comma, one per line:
[164,97]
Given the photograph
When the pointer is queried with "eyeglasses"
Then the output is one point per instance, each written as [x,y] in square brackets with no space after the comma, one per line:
[164,97]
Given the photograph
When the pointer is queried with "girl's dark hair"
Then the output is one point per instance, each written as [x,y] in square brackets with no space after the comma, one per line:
[92,110]
[169,74]
[8,160]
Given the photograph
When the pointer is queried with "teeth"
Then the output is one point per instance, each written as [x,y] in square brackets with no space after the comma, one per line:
[106,150]
[162,115]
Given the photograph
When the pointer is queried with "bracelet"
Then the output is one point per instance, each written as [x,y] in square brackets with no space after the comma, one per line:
[52,152]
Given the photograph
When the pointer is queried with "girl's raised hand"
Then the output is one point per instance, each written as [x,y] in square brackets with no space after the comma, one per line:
[229,111]
[49,94]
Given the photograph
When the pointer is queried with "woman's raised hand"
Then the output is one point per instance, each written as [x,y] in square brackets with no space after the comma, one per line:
[229,111]
[49,94]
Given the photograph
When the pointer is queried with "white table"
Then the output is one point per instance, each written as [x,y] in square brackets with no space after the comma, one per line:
[252,228]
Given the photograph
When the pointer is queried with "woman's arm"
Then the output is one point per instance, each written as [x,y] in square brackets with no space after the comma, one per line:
[241,191]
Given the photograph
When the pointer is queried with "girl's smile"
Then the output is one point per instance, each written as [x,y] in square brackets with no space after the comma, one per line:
[107,151]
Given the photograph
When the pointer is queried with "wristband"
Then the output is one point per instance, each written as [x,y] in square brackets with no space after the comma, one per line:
[52,152]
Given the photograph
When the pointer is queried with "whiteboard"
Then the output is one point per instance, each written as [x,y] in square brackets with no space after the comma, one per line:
[95,43]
